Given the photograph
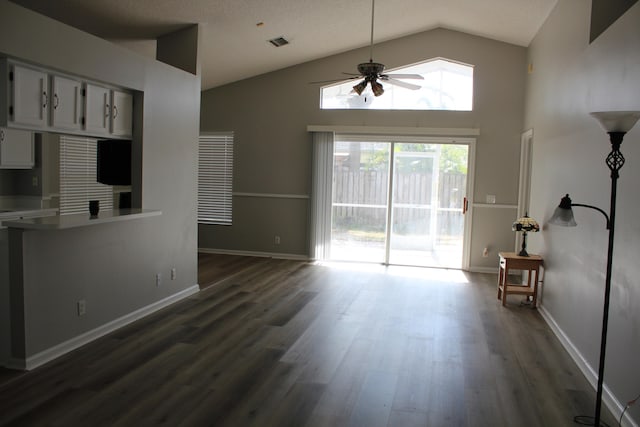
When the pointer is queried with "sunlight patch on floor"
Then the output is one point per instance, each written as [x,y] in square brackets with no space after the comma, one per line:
[435,274]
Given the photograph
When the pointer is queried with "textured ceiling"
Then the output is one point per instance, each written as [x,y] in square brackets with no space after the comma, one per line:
[234,47]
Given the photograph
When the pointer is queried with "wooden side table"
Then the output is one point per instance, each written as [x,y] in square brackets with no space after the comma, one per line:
[513,261]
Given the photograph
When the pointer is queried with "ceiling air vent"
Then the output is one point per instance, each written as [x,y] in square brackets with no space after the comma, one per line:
[278,41]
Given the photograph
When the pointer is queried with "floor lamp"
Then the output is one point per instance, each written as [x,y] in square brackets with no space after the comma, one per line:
[616,124]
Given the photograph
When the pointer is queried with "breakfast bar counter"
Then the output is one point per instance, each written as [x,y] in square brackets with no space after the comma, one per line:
[61,222]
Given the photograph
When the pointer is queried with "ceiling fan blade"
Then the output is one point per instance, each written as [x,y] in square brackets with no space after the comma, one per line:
[402,76]
[355,77]
[401,84]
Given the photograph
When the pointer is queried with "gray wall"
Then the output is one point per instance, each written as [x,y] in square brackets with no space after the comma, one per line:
[14,182]
[112,266]
[21,180]
[270,113]
[6,182]
[572,78]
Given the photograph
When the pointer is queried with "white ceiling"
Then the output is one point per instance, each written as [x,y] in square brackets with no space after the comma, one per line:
[234,47]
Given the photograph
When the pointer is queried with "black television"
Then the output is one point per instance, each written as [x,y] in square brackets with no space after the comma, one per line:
[114,162]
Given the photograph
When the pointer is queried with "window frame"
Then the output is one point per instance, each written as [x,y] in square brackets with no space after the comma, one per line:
[428,93]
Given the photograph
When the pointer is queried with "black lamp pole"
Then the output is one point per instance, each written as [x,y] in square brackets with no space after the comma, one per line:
[617,124]
[523,250]
[615,161]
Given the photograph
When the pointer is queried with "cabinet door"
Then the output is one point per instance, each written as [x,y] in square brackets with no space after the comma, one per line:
[66,108]
[30,96]
[16,149]
[122,112]
[97,110]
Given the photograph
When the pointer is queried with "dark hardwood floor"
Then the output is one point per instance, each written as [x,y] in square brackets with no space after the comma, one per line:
[286,343]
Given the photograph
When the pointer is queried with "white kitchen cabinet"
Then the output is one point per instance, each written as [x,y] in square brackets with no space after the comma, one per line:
[29,96]
[108,112]
[38,99]
[66,103]
[97,110]
[16,149]
[121,113]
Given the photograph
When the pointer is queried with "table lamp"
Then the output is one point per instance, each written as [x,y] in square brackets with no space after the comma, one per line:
[525,224]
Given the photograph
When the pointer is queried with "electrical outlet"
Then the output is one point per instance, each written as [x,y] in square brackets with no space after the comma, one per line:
[491,199]
[276,240]
[158,279]
[173,274]
[82,307]
[485,252]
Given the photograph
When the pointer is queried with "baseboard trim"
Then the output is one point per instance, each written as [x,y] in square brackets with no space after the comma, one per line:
[609,400]
[276,255]
[17,364]
[49,354]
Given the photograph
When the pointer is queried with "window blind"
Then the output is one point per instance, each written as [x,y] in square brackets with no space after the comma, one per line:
[78,182]
[321,190]
[215,176]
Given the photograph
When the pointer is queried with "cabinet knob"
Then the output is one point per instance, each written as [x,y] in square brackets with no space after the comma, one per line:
[1,135]
[44,99]
[115,111]
[106,110]
[56,101]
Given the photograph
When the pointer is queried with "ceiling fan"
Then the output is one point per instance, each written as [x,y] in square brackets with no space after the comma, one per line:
[372,73]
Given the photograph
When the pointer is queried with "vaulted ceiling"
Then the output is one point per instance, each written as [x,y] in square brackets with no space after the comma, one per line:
[236,32]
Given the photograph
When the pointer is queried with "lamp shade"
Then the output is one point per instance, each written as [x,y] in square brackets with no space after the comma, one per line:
[359,88]
[563,215]
[617,121]
[376,88]
[526,224]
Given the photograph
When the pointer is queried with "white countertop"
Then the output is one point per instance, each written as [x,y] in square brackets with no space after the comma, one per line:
[60,222]
[19,213]
[8,214]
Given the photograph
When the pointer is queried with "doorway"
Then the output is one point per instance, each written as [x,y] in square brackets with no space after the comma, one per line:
[399,200]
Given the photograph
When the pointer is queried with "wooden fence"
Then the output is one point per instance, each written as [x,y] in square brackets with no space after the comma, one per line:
[360,201]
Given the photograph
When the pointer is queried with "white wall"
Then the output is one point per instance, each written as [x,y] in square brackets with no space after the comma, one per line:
[113,266]
[572,78]
[5,329]
[270,113]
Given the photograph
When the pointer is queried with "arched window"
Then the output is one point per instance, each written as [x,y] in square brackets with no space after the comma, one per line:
[447,85]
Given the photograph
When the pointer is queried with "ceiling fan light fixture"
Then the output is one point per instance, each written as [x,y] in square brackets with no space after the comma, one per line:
[371,72]
[377,88]
[360,87]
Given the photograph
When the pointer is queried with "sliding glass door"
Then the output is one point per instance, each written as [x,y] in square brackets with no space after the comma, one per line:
[360,201]
[429,186]
[399,202]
